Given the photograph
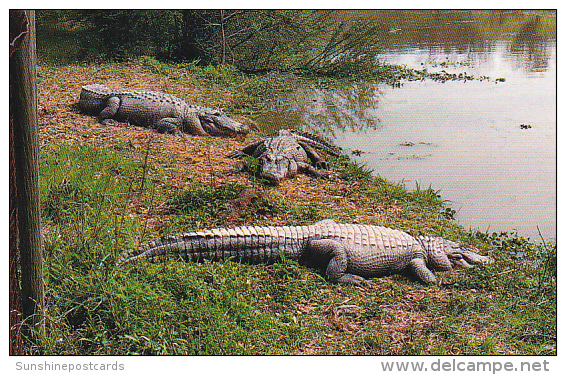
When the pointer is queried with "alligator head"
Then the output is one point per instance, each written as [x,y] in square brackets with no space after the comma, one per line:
[276,168]
[217,123]
[465,258]
[444,255]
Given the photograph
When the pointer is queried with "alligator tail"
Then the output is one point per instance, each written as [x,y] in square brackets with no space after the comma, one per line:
[246,244]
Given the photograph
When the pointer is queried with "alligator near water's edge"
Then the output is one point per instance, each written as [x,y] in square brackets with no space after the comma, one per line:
[164,112]
[288,153]
[347,253]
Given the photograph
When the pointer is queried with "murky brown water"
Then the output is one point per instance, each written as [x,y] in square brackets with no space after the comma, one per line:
[464,139]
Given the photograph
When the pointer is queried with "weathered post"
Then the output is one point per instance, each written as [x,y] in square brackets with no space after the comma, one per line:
[23,115]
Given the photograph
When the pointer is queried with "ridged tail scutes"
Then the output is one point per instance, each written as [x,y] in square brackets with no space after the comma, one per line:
[246,244]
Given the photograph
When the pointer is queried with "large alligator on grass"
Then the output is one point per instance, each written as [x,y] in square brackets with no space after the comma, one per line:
[164,112]
[287,154]
[348,253]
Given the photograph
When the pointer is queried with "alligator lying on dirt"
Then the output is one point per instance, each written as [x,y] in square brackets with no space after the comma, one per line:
[164,112]
[286,154]
[349,253]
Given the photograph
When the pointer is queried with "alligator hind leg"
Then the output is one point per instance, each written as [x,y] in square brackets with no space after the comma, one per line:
[338,264]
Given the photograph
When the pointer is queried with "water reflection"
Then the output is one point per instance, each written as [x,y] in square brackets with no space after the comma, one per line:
[352,108]
[462,138]
[531,48]
[465,32]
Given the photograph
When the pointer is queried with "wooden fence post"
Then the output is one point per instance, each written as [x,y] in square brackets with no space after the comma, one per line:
[23,114]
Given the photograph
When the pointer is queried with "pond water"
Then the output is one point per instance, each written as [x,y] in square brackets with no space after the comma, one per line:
[465,139]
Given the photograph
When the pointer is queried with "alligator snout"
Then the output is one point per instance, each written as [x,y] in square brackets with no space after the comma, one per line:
[465,258]
[275,168]
[219,124]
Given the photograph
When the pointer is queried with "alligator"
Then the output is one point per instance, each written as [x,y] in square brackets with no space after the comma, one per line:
[287,154]
[164,112]
[346,253]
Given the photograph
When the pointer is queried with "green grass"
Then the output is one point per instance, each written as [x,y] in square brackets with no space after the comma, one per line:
[201,203]
[350,170]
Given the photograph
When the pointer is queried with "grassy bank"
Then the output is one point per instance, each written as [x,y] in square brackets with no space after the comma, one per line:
[105,189]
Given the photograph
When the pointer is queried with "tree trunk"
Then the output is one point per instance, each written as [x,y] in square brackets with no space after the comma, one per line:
[23,112]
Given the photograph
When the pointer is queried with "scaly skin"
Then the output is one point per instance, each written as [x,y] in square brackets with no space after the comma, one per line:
[349,253]
[164,112]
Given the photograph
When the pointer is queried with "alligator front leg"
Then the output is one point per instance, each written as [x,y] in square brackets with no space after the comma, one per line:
[419,268]
[249,150]
[313,156]
[112,106]
[192,125]
[169,125]
[338,264]
[310,170]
